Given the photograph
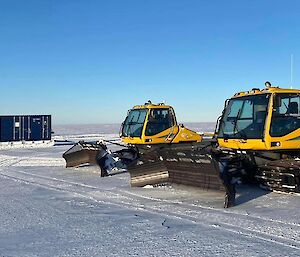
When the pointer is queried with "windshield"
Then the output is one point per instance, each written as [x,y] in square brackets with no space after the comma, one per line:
[133,125]
[286,114]
[244,117]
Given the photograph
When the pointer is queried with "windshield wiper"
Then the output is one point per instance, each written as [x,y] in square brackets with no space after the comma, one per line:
[236,129]
[236,121]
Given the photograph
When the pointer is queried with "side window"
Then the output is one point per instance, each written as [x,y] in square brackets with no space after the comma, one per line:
[289,104]
[286,114]
[158,121]
[284,103]
[294,105]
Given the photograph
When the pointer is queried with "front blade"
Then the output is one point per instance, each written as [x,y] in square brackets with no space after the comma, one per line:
[82,153]
[187,164]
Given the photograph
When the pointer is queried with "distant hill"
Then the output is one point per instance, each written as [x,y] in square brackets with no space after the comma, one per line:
[76,129]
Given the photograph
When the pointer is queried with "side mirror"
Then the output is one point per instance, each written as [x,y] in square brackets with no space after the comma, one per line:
[121,129]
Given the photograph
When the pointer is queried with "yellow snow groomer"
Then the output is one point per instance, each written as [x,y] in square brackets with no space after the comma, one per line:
[156,150]
[263,120]
[167,151]
[151,124]
[262,127]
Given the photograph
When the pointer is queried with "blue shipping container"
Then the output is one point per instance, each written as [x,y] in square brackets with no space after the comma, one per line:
[25,128]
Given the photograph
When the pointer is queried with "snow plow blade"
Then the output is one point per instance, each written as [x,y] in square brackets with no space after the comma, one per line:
[82,153]
[186,163]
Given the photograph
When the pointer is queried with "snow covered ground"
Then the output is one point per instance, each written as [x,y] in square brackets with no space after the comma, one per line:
[48,210]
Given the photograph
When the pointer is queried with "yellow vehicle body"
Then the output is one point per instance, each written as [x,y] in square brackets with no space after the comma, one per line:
[288,140]
[151,124]
[258,135]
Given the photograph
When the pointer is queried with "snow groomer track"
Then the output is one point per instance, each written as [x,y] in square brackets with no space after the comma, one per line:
[105,216]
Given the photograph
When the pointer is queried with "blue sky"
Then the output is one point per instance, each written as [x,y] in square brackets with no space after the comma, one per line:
[89,61]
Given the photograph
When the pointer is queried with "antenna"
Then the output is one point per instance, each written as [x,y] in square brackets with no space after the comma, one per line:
[292,57]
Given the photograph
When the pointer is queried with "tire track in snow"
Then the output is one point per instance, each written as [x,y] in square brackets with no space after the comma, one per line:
[209,208]
[249,226]
[7,161]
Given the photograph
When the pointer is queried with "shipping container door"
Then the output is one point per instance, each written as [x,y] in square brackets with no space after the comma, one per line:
[46,127]
[36,128]
[25,128]
[17,128]
[7,129]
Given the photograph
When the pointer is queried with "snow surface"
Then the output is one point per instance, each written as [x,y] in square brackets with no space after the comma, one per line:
[26,144]
[48,210]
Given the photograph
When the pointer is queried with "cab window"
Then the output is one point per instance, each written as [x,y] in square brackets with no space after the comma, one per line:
[244,117]
[133,125]
[158,121]
[286,114]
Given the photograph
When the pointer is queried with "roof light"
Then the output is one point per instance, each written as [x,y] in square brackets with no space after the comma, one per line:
[268,84]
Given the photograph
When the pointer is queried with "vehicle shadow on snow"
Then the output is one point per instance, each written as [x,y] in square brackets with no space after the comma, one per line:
[247,193]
